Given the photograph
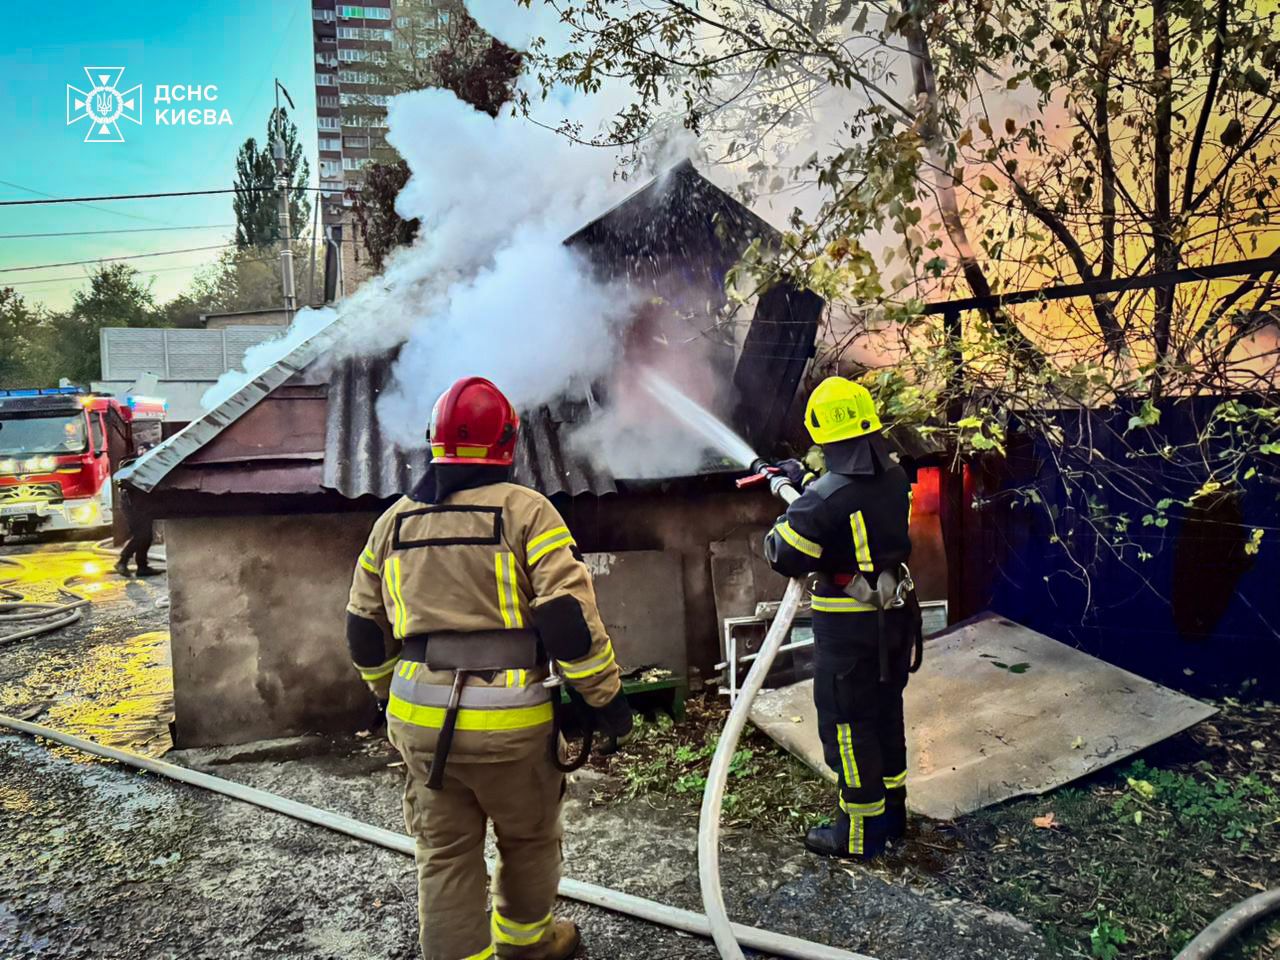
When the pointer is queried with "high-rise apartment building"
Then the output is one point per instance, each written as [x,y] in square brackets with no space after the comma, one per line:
[359,48]
[351,42]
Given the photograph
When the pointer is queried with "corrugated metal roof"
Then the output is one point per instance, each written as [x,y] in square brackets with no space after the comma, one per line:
[361,460]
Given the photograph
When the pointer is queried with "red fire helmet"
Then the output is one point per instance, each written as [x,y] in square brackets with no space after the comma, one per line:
[473,422]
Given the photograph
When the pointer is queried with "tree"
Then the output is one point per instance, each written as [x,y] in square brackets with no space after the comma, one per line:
[67,344]
[256,202]
[942,150]
[434,45]
[17,324]
[381,228]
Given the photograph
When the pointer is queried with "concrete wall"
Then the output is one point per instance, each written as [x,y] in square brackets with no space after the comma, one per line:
[257,619]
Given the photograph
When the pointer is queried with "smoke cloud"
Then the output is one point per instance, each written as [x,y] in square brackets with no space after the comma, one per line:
[488,287]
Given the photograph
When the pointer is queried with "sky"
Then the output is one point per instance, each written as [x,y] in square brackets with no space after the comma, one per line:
[237,45]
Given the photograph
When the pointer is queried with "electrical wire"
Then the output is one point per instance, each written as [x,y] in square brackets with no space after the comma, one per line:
[132,256]
[99,233]
[114,213]
[154,196]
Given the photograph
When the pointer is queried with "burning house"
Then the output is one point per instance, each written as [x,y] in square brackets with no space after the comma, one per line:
[268,498]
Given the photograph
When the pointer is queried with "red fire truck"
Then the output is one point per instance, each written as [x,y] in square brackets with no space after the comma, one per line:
[58,450]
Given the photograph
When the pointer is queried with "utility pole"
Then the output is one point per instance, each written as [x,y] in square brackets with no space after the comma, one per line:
[283,179]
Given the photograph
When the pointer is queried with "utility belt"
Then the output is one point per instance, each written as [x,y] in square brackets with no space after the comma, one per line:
[892,589]
[482,652]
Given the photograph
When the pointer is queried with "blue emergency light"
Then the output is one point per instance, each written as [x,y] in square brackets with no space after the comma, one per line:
[43,392]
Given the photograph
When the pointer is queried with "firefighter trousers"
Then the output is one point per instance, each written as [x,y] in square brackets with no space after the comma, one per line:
[522,799]
[860,718]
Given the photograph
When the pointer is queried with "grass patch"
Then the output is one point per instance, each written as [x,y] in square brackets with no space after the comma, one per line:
[1138,860]
[1141,857]
[666,764]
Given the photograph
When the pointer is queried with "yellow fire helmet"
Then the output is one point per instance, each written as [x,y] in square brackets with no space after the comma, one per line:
[840,409]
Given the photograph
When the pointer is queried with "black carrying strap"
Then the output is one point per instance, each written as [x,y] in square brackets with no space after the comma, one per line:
[917,630]
[435,780]
[586,720]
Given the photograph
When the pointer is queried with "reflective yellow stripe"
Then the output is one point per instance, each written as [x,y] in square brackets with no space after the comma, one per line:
[518,934]
[500,572]
[437,449]
[472,451]
[911,503]
[844,737]
[399,615]
[840,605]
[484,954]
[515,594]
[893,783]
[544,537]
[377,673]
[861,549]
[562,540]
[857,811]
[517,678]
[471,718]
[803,544]
[589,666]
[855,834]
[367,561]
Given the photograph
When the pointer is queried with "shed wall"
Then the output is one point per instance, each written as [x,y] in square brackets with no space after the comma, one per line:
[257,622]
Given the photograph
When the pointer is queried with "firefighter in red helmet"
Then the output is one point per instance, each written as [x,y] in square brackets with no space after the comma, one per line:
[468,596]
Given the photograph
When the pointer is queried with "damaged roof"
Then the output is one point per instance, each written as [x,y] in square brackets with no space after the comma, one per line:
[680,227]
[361,460]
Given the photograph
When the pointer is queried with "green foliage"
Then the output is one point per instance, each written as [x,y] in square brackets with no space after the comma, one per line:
[256,202]
[1237,810]
[55,345]
[766,786]
[959,188]
[1106,938]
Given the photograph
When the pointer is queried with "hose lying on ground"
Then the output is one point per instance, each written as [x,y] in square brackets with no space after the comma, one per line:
[1231,924]
[768,942]
[16,608]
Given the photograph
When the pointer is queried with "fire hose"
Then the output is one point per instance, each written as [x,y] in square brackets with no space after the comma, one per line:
[722,930]
[765,941]
[45,616]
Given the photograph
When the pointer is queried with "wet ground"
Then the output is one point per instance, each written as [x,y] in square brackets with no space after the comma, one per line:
[101,861]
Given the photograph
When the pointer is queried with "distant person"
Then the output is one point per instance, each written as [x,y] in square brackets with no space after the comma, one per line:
[141,531]
[850,528]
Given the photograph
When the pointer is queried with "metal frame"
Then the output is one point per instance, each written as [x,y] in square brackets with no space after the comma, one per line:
[732,660]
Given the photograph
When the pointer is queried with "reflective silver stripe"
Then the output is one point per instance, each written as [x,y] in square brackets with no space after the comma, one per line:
[423,693]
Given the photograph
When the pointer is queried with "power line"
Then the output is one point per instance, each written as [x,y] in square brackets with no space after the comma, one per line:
[99,233]
[132,256]
[152,196]
[82,276]
[114,213]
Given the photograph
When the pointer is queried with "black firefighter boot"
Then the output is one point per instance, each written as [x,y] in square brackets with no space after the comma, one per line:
[861,840]
[895,813]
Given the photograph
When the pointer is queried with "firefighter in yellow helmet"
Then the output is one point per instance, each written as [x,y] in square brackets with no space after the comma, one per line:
[850,528]
[469,594]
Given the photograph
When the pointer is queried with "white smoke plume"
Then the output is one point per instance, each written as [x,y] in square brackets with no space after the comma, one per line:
[488,287]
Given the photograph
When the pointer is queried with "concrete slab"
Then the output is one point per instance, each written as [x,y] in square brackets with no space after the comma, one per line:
[979,732]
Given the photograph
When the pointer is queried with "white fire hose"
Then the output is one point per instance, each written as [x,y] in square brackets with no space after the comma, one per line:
[765,941]
[725,933]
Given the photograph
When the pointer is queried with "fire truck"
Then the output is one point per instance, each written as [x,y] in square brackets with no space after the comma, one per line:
[58,450]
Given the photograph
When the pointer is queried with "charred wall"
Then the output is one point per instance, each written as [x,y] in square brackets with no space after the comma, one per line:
[257,618]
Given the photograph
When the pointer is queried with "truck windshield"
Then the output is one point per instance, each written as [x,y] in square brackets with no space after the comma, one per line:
[25,436]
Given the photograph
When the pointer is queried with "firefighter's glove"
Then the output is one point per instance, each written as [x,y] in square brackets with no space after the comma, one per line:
[613,721]
[794,471]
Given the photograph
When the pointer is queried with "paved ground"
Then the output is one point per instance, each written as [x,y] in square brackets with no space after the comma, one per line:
[101,861]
